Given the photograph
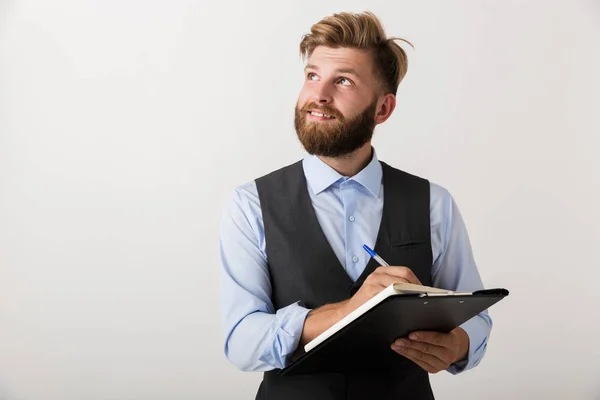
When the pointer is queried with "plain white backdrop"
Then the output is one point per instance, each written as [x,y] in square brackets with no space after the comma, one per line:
[124,126]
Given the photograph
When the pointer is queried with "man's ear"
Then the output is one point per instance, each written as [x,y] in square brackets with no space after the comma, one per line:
[385,108]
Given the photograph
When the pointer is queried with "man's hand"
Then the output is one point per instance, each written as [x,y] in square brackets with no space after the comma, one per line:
[322,318]
[434,351]
[378,280]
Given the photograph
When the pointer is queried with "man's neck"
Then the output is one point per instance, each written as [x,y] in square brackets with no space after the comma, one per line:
[351,164]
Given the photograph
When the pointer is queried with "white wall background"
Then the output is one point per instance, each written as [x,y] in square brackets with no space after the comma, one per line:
[124,125]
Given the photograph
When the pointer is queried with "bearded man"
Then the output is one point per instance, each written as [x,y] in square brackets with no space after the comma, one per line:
[291,242]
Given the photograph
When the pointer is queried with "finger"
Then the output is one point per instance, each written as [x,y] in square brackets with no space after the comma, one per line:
[403,273]
[420,356]
[375,284]
[385,280]
[435,338]
[439,352]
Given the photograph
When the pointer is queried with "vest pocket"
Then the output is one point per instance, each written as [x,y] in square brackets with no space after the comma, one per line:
[409,245]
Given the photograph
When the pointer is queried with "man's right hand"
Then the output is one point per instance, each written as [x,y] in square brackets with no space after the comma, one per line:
[378,280]
[322,318]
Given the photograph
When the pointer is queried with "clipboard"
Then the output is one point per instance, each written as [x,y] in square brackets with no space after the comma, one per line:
[363,343]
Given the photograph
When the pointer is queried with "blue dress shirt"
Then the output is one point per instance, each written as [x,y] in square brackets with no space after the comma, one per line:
[260,338]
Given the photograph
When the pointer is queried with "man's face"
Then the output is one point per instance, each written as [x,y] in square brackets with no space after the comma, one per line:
[335,113]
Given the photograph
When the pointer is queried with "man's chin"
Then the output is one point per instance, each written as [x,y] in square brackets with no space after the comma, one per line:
[322,126]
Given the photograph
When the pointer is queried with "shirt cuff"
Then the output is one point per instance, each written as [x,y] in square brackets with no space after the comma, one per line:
[477,331]
[290,320]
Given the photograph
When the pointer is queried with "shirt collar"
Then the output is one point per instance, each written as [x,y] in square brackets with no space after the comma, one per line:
[321,176]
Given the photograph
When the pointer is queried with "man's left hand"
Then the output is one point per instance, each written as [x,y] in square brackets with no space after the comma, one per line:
[434,351]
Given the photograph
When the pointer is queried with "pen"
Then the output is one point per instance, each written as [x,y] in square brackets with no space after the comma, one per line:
[375,256]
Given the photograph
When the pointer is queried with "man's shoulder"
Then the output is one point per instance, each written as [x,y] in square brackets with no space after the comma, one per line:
[246,194]
[401,173]
[440,195]
[280,172]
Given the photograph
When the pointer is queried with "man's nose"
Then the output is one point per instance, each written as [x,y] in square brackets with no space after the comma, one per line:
[323,95]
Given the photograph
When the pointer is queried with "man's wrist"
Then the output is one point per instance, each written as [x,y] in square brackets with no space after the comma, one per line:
[342,310]
[463,344]
[320,319]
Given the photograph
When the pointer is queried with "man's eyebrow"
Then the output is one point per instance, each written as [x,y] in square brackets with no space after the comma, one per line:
[339,70]
[347,71]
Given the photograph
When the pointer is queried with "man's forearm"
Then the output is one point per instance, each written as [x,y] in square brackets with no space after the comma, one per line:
[321,319]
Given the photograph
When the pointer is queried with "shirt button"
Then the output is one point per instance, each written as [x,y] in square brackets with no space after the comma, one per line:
[355,259]
[351,218]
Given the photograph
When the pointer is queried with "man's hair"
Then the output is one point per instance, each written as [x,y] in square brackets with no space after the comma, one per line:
[361,31]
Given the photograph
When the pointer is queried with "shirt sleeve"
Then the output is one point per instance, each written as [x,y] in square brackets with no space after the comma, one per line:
[455,269]
[257,337]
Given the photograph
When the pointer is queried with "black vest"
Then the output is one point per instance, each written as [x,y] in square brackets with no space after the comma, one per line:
[303,267]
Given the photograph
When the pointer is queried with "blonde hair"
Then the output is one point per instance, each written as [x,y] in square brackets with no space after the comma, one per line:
[361,31]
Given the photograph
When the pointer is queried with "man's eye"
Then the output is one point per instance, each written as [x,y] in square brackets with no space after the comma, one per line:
[311,76]
[344,81]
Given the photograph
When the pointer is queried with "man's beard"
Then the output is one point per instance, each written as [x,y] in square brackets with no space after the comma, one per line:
[337,137]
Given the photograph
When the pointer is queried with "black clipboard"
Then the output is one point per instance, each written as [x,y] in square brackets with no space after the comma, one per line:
[363,346]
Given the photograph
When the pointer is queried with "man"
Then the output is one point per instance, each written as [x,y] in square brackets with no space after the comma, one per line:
[291,241]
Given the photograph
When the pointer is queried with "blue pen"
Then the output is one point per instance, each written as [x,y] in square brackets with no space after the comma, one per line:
[375,256]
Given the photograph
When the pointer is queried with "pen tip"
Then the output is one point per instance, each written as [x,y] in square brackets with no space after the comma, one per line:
[368,249]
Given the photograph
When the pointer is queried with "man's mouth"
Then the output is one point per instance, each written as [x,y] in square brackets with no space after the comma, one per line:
[320,115]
